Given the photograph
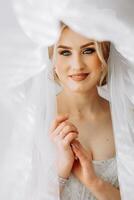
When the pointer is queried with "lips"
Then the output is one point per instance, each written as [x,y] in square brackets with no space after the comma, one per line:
[79,76]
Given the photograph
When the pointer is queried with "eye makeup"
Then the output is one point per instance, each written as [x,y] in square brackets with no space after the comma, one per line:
[85,51]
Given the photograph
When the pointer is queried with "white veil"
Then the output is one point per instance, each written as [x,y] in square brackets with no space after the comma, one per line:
[28,92]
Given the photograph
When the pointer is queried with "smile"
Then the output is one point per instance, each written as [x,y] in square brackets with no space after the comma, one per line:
[79,77]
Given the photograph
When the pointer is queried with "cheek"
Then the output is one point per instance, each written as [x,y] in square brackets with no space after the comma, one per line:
[61,65]
[60,69]
[94,62]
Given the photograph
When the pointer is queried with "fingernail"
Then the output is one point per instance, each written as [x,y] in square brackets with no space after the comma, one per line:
[72,145]
[76,145]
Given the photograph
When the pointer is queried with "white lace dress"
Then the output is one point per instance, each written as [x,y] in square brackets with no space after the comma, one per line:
[75,190]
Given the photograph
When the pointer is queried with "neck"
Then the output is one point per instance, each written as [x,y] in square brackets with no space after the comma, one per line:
[81,105]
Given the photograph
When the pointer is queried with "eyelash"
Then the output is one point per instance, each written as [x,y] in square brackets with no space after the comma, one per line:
[92,50]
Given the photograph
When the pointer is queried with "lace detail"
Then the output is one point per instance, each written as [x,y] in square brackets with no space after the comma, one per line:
[75,190]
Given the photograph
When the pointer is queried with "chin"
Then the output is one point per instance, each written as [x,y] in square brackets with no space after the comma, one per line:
[79,89]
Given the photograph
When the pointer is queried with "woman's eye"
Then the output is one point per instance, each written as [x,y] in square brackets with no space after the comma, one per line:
[89,51]
[65,53]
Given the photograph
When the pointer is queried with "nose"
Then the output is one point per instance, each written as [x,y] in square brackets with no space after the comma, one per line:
[77,62]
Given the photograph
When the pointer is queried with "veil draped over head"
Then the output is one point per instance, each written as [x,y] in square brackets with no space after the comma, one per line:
[28,91]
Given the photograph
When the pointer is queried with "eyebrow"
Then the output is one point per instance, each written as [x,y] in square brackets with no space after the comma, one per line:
[85,45]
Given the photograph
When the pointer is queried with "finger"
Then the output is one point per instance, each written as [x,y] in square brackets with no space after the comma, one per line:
[65,126]
[75,156]
[66,130]
[70,137]
[88,154]
[80,153]
[59,119]
[58,130]
[80,147]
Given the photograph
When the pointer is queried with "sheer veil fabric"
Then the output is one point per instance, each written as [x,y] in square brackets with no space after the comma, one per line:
[28,91]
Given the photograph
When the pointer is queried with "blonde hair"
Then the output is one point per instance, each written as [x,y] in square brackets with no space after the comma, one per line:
[102,49]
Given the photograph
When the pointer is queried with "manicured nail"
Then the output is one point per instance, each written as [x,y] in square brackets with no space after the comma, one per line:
[73,145]
[76,145]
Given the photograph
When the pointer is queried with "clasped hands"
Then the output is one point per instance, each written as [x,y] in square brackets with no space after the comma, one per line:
[83,168]
[64,136]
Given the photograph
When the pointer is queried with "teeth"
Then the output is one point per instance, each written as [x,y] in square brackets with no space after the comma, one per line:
[81,75]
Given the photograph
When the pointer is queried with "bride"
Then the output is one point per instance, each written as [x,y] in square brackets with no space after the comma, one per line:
[92,136]
[82,131]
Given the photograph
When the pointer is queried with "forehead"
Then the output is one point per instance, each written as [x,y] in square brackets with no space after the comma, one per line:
[73,39]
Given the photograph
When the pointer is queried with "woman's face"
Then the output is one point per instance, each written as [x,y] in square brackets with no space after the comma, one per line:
[76,62]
